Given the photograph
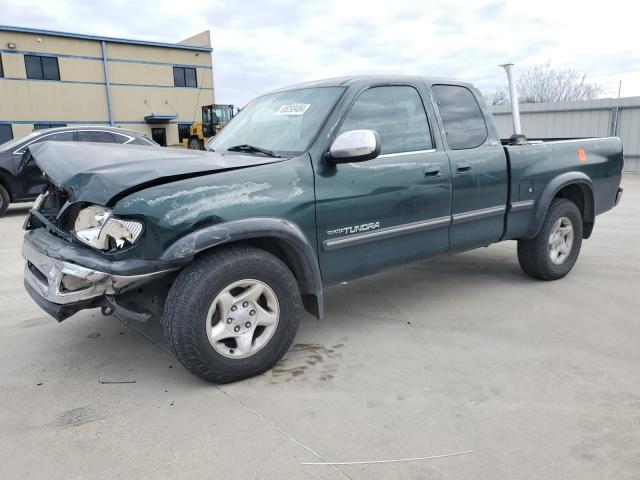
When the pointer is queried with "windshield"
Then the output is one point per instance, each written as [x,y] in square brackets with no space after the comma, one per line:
[284,122]
[11,144]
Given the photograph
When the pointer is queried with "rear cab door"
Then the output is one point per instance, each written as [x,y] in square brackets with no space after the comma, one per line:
[395,208]
[478,163]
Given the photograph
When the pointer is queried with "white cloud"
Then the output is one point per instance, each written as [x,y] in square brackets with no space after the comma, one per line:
[263,45]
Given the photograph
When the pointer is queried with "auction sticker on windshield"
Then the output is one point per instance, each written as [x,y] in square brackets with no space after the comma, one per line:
[293,109]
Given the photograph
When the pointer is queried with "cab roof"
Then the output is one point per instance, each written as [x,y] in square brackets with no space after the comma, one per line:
[371,79]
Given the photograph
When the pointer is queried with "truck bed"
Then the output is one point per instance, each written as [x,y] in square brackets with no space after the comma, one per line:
[537,167]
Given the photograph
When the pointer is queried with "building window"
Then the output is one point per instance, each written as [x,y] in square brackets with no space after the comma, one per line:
[1,69]
[6,133]
[42,68]
[184,77]
[184,130]
[44,126]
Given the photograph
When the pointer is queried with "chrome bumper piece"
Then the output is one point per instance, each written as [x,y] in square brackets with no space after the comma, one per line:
[63,283]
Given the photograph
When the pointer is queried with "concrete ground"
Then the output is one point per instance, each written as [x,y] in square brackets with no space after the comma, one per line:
[539,380]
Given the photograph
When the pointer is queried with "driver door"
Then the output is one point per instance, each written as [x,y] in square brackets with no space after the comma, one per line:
[390,210]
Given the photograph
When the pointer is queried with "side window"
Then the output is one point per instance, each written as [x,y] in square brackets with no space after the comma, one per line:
[55,137]
[44,126]
[121,138]
[95,136]
[41,68]
[396,113]
[461,116]
[6,133]
[60,137]
[184,77]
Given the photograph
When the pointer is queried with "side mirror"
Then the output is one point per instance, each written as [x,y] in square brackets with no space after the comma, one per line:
[354,146]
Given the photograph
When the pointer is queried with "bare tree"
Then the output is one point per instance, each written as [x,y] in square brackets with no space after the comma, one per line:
[497,97]
[543,84]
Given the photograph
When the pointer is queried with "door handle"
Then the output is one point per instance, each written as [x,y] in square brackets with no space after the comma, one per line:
[463,167]
[432,170]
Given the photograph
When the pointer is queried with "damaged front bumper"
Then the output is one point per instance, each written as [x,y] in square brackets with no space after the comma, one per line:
[63,278]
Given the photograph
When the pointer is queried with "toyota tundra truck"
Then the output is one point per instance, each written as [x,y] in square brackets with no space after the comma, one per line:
[308,186]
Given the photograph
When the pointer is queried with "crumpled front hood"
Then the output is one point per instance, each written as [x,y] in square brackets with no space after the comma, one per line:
[98,172]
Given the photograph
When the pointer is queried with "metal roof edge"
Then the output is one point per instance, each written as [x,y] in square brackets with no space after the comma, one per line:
[82,36]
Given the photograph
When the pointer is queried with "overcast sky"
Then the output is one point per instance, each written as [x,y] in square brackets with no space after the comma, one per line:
[260,45]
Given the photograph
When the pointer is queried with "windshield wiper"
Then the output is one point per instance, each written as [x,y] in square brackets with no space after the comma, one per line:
[251,149]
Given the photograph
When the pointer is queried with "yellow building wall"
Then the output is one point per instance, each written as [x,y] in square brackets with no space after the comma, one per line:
[13,65]
[157,54]
[29,42]
[46,101]
[79,70]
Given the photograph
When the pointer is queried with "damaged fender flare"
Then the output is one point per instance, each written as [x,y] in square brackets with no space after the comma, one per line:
[300,255]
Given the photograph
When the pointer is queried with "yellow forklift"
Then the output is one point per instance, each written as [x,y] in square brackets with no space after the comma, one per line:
[214,118]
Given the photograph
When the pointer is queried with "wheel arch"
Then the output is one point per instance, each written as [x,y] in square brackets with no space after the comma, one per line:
[574,186]
[280,237]
[6,180]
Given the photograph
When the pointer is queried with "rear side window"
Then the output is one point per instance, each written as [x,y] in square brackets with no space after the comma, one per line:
[54,137]
[461,116]
[95,136]
[396,113]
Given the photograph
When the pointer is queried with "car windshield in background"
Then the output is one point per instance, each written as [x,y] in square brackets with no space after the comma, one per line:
[283,123]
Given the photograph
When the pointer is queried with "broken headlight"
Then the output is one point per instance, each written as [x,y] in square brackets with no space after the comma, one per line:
[96,226]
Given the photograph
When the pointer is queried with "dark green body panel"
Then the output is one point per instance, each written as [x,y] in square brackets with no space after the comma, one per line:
[282,190]
[539,171]
[412,216]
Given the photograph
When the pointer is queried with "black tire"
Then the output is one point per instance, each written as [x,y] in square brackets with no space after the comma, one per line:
[534,255]
[196,144]
[198,285]
[4,200]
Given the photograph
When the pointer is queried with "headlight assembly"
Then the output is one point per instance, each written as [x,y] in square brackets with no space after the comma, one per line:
[96,226]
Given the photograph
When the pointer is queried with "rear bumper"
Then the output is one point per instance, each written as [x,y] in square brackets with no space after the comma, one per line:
[618,197]
[63,287]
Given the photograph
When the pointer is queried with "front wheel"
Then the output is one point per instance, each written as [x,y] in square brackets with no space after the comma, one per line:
[553,252]
[232,314]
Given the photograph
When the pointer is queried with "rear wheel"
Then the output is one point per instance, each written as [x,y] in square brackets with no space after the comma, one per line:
[196,144]
[553,252]
[4,200]
[232,314]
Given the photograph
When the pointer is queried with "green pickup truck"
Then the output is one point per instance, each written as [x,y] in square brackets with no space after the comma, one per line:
[308,186]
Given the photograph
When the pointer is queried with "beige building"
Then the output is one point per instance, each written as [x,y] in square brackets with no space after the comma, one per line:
[55,79]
